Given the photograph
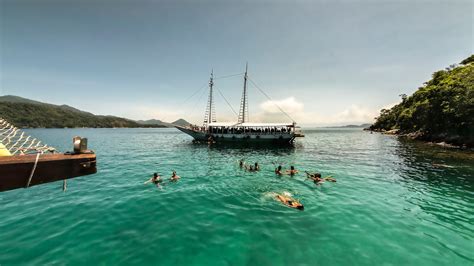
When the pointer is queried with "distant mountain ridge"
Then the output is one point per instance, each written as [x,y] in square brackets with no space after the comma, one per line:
[154,122]
[356,126]
[28,113]
[179,122]
[351,126]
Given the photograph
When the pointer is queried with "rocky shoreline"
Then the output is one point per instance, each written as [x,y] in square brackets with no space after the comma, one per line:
[443,140]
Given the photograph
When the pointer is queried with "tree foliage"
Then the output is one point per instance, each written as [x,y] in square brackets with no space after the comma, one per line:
[33,115]
[443,109]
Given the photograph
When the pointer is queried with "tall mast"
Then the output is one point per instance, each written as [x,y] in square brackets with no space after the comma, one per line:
[244,112]
[210,115]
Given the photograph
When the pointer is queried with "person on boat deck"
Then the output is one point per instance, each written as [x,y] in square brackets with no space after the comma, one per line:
[292,170]
[156,179]
[278,170]
[290,202]
[257,167]
[174,176]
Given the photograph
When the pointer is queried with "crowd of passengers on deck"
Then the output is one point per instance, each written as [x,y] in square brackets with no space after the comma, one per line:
[241,130]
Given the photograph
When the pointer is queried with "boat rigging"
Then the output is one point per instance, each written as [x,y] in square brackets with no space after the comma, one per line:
[243,130]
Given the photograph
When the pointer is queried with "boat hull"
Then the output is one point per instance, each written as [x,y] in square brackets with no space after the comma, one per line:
[283,138]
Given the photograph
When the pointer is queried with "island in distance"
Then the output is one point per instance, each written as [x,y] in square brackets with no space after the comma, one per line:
[26,113]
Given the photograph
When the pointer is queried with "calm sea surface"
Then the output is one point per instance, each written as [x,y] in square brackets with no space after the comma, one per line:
[390,205]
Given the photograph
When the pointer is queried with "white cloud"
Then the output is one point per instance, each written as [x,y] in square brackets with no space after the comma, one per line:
[353,114]
[269,112]
[289,105]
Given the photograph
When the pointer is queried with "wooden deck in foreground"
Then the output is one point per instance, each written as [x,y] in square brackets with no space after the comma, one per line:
[16,170]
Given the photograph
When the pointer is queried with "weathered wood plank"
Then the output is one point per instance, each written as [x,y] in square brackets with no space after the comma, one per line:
[15,170]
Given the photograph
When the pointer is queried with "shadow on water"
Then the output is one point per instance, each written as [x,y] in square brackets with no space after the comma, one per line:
[441,182]
[436,165]
[245,148]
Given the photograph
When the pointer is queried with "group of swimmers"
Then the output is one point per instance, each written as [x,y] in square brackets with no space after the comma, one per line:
[316,177]
[291,172]
[286,199]
[157,180]
[251,168]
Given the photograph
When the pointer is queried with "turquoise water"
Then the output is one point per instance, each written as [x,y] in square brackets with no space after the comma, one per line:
[390,205]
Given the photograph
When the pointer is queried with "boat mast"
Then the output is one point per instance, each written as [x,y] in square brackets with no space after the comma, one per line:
[210,115]
[244,111]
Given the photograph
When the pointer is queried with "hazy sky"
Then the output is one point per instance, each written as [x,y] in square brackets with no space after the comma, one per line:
[325,62]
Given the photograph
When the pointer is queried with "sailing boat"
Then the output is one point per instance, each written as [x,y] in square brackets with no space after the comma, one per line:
[242,131]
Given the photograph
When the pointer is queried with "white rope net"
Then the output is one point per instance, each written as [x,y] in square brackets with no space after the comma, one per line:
[18,142]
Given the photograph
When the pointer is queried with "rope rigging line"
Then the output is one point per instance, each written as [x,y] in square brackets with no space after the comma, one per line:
[196,92]
[199,100]
[18,142]
[269,98]
[201,89]
[227,101]
[229,76]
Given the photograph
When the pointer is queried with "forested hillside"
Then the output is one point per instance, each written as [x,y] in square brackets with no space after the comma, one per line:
[441,110]
[27,113]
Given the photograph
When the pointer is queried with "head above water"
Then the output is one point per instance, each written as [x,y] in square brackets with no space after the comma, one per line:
[256,164]
[300,207]
[317,175]
[174,173]
[292,167]
[279,168]
[155,175]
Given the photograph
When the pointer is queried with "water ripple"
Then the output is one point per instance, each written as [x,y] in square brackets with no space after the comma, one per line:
[392,204]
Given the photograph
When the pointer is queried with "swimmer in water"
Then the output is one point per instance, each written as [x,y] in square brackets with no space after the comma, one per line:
[241,163]
[292,171]
[290,202]
[174,176]
[249,168]
[257,167]
[316,177]
[278,170]
[156,179]
[330,179]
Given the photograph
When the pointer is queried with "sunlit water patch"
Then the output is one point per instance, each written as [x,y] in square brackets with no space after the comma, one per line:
[395,202]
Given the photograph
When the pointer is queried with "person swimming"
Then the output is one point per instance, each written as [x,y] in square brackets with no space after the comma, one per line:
[292,171]
[257,167]
[249,168]
[316,177]
[241,163]
[330,179]
[156,179]
[174,176]
[278,170]
[290,202]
